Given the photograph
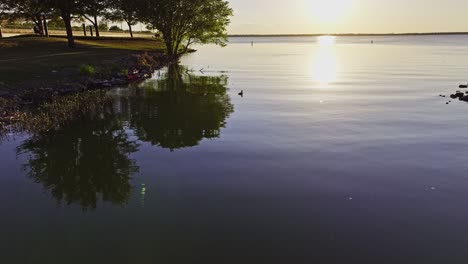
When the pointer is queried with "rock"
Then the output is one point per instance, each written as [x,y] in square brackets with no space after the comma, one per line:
[106,85]
[463,86]
[464,98]
[457,95]
[116,82]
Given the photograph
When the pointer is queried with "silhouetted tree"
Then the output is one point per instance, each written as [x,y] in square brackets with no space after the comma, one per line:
[66,8]
[30,10]
[92,9]
[185,22]
[123,10]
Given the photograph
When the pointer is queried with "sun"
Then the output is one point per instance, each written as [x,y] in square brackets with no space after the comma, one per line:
[329,10]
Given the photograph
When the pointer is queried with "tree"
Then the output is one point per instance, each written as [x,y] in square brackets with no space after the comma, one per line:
[1,30]
[66,8]
[185,22]
[123,10]
[103,26]
[56,22]
[91,9]
[115,28]
[31,10]
[3,16]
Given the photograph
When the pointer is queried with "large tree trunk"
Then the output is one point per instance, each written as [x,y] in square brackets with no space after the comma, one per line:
[67,20]
[46,28]
[169,48]
[130,29]
[172,51]
[96,26]
[1,33]
[38,22]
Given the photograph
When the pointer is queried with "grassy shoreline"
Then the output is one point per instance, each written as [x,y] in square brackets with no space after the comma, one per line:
[34,70]
[26,59]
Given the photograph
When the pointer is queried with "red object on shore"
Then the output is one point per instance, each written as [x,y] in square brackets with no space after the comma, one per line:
[133,74]
[133,77]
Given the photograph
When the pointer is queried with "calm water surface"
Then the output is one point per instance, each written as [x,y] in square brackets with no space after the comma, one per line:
[340,151]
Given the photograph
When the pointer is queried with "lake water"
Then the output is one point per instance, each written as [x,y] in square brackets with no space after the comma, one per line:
[340,151]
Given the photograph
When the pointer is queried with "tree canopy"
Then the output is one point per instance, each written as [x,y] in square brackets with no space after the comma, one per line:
[123,11]
[31,10]
[66,8]
[181,22]
[92,9]
[186,22]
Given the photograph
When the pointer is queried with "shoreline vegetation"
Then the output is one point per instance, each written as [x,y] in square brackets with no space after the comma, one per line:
[41,73]
[52,72]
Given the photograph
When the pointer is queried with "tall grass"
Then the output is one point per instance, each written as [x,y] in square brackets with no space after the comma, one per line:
[64,110]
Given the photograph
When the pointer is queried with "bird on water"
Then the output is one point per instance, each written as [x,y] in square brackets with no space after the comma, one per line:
[241,93]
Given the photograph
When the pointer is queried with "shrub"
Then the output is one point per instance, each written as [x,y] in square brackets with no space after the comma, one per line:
[87,70]
[115,28]
[103,26]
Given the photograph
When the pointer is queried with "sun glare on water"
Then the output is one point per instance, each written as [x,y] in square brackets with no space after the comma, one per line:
[329,10]
[324,63]
[326,40]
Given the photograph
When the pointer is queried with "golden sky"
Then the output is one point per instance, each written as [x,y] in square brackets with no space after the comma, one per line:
[347,16]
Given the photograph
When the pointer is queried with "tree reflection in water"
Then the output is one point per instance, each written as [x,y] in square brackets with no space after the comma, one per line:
[80,163]
[89,161]
[179,110]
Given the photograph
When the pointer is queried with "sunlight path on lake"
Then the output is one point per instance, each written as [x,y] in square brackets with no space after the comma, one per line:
[324,66]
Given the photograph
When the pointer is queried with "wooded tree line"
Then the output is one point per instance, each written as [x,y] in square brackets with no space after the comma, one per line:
[180,22]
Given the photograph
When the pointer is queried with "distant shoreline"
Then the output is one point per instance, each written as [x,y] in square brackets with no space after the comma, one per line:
[350,34]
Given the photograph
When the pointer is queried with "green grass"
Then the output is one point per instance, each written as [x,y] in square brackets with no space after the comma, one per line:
[63,110]
[87,70]
[35,59]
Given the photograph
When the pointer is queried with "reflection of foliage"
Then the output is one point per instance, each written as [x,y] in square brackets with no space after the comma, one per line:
[82,162]
[79,148]
[181,110]
[64,111]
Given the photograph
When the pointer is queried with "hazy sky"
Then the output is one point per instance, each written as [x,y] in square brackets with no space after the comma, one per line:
[348,16]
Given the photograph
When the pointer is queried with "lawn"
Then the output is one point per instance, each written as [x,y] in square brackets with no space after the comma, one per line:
[37,59]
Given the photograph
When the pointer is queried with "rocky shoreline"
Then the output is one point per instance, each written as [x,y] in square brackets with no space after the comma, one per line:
[130,69]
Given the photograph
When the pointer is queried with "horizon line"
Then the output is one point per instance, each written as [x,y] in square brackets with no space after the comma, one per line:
[350,34]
